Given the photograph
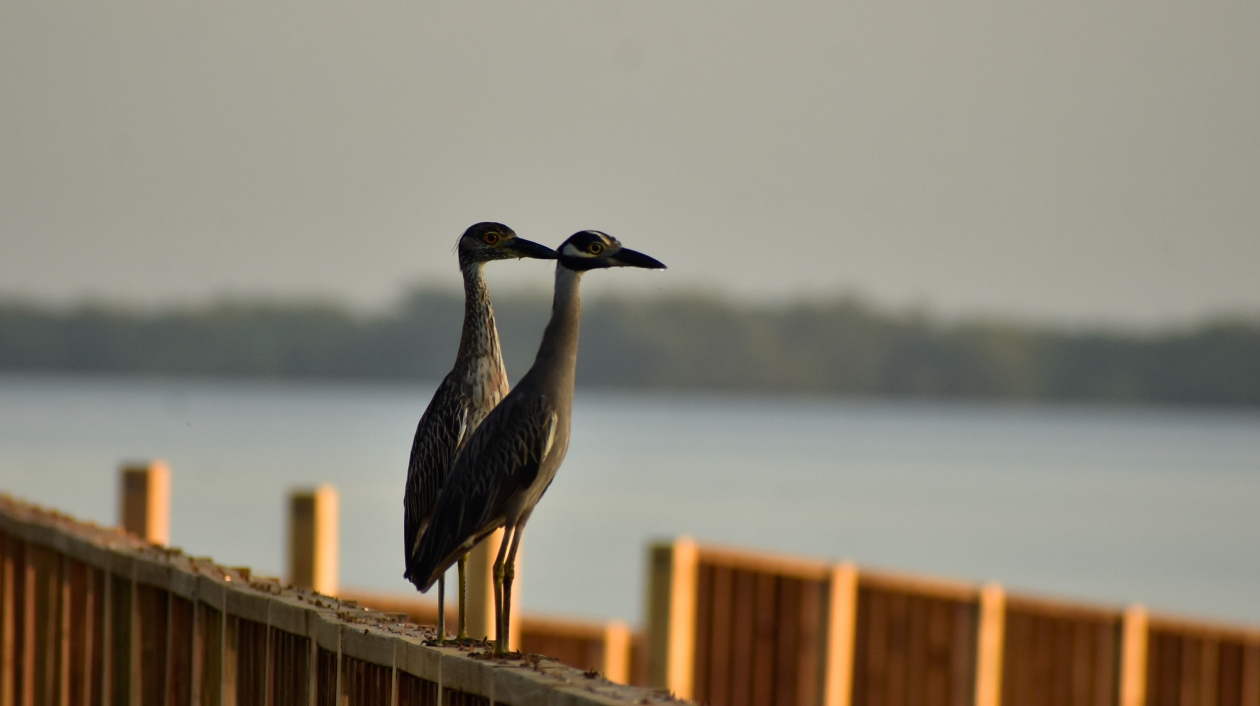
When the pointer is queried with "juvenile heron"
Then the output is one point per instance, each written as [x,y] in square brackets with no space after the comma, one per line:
[511,458]
[467,394]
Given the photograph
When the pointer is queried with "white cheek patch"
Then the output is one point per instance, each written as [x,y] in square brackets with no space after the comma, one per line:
[569,250]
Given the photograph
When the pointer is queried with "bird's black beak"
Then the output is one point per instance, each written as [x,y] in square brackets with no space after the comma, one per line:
[626,257]
[520,247]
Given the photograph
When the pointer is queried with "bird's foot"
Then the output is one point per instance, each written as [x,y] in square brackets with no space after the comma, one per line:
[439,640]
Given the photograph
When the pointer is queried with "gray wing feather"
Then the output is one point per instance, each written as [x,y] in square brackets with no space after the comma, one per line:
[501,458]
[442,428]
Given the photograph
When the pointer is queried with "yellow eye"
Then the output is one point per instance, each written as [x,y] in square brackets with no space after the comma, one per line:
[595,248]
[490,238]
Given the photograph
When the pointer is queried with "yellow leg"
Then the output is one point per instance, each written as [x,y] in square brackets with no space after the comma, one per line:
[500,628]
[441,620]
[509,573]
[463,594]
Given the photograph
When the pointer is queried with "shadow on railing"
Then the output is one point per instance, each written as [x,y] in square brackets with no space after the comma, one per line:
[92,616]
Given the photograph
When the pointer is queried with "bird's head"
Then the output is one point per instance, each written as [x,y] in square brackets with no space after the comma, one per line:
[592,249]
[484,242]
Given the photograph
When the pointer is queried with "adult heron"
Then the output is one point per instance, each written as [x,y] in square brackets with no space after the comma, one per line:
[476,383]
[504,469]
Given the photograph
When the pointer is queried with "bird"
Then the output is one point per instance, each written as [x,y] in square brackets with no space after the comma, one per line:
[505,467]
[475,384]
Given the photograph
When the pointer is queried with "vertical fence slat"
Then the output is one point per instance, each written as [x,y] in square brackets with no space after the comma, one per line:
[8,589]
[940,643]
[744,584]
[870,665]
[616,658]
[702,659]
[180,662]
[1133,657]
[898,631]
[328,673]
[78,648]
[102,687]
[210,655]
[1249,691]
[763,620]
[841,633]
[63,629]
[671,616]
[720,656]
[989,641]
[916,651]
[120,640]
[43,614]
[251,662]
[785,669]
[414,691]
[25,681]
[290,669]
[152,617]
[231,660]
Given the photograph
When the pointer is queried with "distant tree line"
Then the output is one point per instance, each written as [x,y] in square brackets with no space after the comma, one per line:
[838,347]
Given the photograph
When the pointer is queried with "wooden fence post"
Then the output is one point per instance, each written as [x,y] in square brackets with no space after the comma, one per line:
[841,632]
[617,652]
[990,639]
[8,611]
[144,501]
[1134,634]
[672,616]
[313,539]
[480,580]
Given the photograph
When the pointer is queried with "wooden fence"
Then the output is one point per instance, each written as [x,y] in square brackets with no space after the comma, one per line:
[736,628]
[144,511]
[610,648]
[90,616]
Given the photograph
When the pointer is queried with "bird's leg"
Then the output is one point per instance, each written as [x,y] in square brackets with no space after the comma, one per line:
[441,620]
[509,573]
[500,636]
[463,614]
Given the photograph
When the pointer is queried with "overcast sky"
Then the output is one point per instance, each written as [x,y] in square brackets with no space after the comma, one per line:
[1079,162]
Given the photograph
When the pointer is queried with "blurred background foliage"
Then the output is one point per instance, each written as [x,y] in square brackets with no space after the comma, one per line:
[841,346]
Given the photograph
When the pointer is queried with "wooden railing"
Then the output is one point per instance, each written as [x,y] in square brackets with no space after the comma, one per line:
[1196,663]
[737,628]
[92,616]
[608,648]
[1055,653]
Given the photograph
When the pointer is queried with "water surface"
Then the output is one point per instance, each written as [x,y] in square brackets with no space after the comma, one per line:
[1107,504]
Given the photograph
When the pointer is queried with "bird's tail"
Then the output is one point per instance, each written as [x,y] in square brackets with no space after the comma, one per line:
[433,557]
[415,573]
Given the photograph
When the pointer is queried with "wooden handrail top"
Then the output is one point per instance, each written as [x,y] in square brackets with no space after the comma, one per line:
[820,570]
[764,562]
[414,603]
[338,626]
[1057,608]
[1199,628]
[930,586]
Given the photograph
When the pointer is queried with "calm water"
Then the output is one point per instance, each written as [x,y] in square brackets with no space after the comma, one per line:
[1116,505]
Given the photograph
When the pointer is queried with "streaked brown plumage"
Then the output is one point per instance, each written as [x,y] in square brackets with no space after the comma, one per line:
[476,383]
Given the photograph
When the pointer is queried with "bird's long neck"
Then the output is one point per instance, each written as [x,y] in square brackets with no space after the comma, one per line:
[557,355]
[480,337]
